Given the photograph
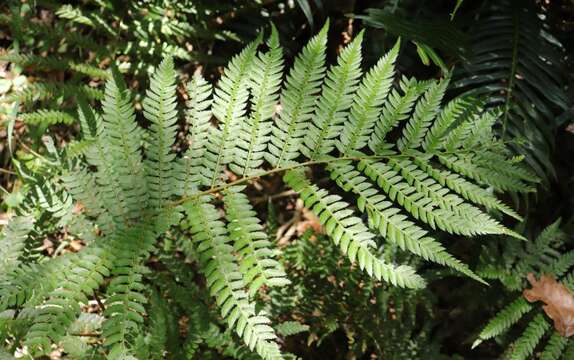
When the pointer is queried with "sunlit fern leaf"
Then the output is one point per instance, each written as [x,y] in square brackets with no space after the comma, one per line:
[350,234]
[421,206]
[257,263]
[84,274]
[123,146]
[425,111]
[265,82]
[397,108]
[125,293]
[390,223]
[229,107]
[159,107]
[467,189]
[335,100]
[198,117]
[366,107]
[298,100]
[225,280]
[516,64]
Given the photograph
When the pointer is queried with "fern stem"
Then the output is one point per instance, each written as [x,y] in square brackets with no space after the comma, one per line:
[242,180]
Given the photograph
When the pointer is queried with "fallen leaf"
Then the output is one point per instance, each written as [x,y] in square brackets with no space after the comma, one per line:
[558,299]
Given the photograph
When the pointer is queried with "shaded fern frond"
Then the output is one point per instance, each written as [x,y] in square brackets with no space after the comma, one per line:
[516,64]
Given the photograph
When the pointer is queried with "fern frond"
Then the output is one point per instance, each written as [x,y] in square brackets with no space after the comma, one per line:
[257,264]
[254,133]
[12,242]
[390,223]
[553,350]
[349,233]
[160,109]
[47,118]
[504,320]
[425,111]
[334,102]
[225,281]
[298,100]
[527,342]
[229,107]
[366,107]
[198,117]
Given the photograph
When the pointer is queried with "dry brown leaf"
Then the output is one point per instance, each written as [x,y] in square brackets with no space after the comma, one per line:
[558,299]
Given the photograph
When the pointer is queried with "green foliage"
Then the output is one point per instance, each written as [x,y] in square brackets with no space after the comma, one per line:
[517,65]
[149,206]
[539,257]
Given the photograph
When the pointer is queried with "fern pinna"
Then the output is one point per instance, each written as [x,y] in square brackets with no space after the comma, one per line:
[410,165]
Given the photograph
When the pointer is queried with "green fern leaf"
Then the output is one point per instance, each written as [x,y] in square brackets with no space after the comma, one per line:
[254,132]
[191,171]
[504,320]
[334,102]
[229,107]
[524,346]
[350,234]
[298,100]
[225,281]
[159,108]
[366,107]
[257,264]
